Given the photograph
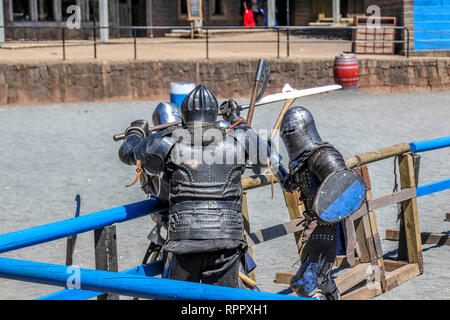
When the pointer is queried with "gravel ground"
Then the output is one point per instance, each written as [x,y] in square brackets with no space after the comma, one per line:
[52,152]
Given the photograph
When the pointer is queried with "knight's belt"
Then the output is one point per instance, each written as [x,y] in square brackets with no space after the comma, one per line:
[203,204]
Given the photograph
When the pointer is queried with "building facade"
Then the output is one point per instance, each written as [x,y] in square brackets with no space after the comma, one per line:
[44,19]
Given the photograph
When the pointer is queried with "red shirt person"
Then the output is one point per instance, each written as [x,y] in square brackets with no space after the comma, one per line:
[248,17]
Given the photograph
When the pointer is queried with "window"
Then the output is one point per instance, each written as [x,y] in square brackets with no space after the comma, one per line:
[216,8]
[21,10]
[66,4]
[45,10]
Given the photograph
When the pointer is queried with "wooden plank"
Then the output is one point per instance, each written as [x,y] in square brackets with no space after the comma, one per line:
[402,252]
[373,237]
[364,293]
[410,212]
[341,262]
[345,282]
[273,232]
[359,225]
[284,277]
[402,274]
[353,277]
[294,214]
[426,237]
[391,265]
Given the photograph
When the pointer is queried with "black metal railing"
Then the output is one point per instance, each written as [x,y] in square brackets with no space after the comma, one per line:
[288,31]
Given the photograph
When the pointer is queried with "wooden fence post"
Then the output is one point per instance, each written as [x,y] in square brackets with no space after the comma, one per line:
[410,211]
[106,254]
[295,212]
[373,240]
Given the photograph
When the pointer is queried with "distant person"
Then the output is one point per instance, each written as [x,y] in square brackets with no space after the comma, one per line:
[258,11]
[248,17]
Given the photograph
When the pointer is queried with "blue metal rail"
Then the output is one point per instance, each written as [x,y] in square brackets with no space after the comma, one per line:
[65,228]
[127,284]
[427,145]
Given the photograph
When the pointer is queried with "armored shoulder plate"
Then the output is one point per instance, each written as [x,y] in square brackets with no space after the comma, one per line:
[154,150]
[256,148]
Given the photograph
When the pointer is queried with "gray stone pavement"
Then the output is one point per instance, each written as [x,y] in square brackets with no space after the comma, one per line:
[50,153]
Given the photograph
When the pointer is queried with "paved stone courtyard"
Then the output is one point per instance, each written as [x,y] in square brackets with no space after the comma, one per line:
[51,152]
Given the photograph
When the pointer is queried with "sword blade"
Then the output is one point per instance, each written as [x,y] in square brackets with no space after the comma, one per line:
[276,97]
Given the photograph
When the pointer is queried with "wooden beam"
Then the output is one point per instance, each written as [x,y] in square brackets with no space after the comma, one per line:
[256,181]
[284,277]
[402,274]
[426,237]
[344,282]
[294,213]
[364,293]
[383,153]
[391,265]
[372,236]
[341,262]
[410,211]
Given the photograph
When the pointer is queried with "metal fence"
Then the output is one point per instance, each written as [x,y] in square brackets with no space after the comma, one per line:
[284,34]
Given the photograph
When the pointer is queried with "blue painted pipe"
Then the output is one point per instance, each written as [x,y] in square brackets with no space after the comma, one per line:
[433,187]
[125,284]
[65,228]
[149,270]
[420,146]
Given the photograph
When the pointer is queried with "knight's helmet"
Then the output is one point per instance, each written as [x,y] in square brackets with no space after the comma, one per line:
[298,131]
[200,105]
[166,112]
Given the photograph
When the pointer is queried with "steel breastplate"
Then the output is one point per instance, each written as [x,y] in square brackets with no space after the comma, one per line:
[206,192]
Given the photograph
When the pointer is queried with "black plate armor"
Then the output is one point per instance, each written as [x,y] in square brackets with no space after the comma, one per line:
[206,198]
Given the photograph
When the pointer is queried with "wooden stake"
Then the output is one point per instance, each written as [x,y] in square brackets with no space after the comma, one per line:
[295,213]
[410,211]
[426,237]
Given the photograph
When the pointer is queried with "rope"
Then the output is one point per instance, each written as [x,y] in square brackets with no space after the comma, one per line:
[399,204]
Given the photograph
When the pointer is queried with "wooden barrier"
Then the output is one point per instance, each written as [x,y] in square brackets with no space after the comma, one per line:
[379,274]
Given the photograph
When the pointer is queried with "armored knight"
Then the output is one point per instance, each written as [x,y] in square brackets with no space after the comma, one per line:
[156,186]
[330,193]
[202,163]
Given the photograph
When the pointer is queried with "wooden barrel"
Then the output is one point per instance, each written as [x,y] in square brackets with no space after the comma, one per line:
[346,71]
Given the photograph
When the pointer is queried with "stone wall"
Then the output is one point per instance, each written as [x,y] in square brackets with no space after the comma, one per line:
[129,80]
